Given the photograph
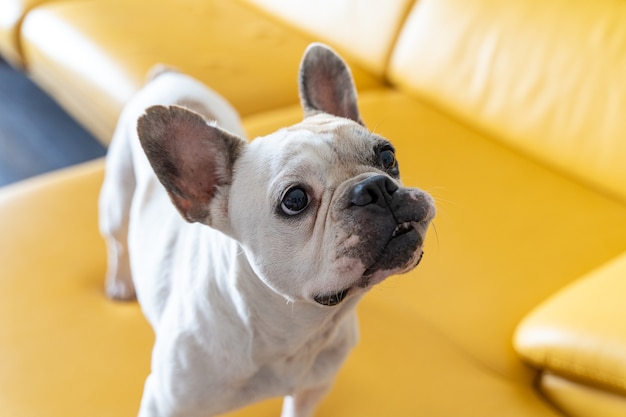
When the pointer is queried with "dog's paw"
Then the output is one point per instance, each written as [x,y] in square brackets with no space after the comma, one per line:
[120,289]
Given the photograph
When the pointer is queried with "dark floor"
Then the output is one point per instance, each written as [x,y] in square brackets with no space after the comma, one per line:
[36,135]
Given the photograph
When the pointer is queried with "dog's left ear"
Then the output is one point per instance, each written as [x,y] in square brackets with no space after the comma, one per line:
[193,160]
[326,84]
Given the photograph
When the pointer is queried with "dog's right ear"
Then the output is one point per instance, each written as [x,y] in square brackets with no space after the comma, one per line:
[326,84]
[193,160]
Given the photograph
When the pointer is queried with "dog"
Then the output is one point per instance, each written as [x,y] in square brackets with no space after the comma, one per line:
[249,258]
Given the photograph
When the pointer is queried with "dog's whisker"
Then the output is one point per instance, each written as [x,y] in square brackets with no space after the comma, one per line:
[436,234]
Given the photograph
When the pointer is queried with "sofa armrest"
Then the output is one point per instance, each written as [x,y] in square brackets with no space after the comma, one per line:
[580,333]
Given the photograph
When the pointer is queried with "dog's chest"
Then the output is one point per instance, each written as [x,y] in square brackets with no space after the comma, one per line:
[283,370]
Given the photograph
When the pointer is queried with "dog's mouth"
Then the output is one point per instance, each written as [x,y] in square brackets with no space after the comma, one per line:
[399,251]
[402,229]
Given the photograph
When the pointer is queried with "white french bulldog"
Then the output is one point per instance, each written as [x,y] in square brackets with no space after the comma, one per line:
[301,223]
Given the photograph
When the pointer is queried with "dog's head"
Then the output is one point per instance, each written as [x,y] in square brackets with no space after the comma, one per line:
[318,207]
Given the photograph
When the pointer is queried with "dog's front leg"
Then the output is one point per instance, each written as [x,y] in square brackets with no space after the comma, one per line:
[114,209]
[303,403]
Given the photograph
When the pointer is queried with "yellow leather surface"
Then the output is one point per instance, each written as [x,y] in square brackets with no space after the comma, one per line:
[435,342]
[579,333]
[362,29]
[576,400]
[248,58]
[545,76]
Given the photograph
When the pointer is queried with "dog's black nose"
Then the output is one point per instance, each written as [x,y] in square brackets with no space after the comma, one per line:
[373,190]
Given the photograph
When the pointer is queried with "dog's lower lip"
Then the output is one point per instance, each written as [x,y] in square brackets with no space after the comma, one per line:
[331,299]
[420,258]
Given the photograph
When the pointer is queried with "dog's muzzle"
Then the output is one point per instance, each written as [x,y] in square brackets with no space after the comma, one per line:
[391,222]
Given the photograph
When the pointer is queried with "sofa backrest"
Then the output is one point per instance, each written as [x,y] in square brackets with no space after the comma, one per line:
[362,30]
[545,76]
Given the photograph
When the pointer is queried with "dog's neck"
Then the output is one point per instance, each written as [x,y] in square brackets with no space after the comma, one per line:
[276,321]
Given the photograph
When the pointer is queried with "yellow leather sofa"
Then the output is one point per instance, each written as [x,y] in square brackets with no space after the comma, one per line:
[512,113]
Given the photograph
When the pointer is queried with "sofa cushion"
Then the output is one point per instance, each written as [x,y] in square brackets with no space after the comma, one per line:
[579,333]
[545,76]
[92,56]
[362,29]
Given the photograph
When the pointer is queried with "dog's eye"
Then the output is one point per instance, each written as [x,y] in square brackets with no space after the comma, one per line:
[388,160]
[295,201]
